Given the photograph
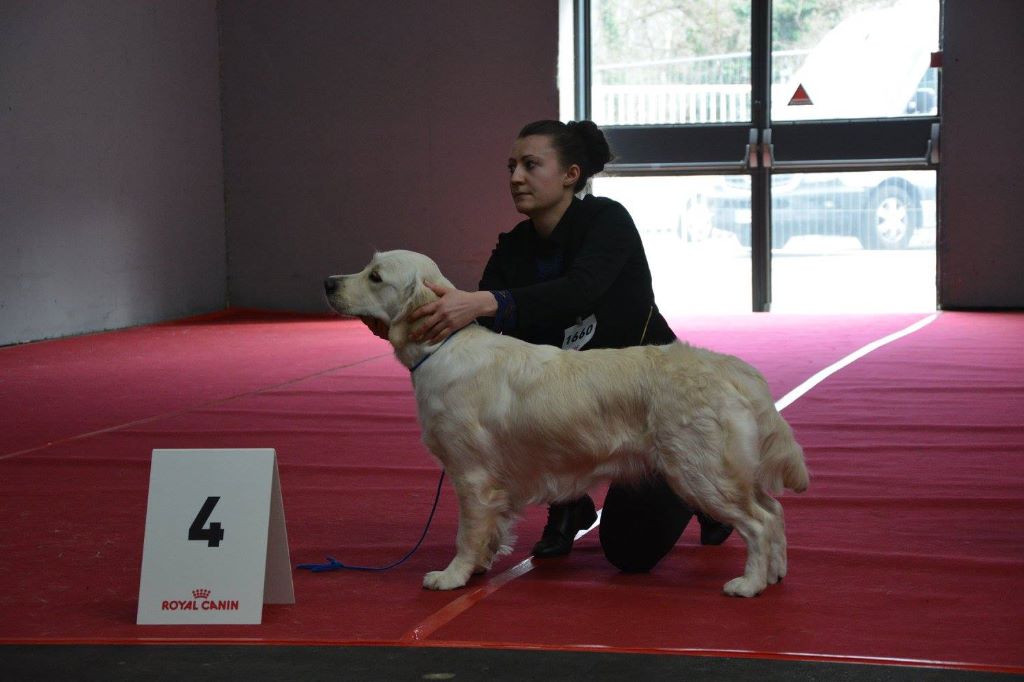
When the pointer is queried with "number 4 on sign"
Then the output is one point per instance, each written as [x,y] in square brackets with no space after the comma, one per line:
[216,548]
[214,534]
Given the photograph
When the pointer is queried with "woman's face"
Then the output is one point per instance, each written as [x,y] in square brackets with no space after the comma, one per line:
[538,181]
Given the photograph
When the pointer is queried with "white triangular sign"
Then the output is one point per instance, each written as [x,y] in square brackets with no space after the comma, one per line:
[216,546]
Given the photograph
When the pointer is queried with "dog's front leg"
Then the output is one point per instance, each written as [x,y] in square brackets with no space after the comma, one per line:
[478,517]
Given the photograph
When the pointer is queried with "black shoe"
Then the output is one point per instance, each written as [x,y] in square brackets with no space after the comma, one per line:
[712,532]
[564,521]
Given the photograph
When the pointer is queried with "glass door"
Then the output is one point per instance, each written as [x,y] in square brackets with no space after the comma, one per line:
[774,155]
[671,87]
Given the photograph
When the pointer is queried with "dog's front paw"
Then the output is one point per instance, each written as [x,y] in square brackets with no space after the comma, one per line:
[742,587]
[442,580]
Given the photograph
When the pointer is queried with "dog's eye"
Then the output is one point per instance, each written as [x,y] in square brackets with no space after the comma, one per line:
[375,278]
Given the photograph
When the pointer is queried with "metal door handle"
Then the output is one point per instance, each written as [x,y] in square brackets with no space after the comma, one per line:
[750,155]
[933,146]
[767,149]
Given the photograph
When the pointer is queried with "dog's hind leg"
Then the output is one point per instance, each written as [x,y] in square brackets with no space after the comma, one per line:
[776,537]
[729,504]
[753,525]
[716,474]
[480,510]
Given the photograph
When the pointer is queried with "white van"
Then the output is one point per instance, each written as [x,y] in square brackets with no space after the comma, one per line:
[874,64]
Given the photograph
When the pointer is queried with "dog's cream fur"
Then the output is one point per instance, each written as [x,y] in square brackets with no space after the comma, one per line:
[516,424]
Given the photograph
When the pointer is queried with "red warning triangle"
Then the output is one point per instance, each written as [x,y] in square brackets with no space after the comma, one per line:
[800,97]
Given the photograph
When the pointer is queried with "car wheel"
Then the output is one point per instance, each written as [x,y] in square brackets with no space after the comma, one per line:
[891,218]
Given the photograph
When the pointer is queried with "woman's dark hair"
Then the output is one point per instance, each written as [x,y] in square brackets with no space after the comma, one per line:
[576,142]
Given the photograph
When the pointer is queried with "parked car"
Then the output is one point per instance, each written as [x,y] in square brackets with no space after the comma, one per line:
[881,208]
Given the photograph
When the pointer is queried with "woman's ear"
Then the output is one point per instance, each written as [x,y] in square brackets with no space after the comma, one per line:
[572,175]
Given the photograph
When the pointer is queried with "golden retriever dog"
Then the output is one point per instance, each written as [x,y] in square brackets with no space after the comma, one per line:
[515,424]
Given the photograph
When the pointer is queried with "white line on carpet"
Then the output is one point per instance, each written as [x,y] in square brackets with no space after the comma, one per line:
[791,397]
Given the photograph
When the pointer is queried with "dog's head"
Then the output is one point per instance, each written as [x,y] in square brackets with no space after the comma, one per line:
[389,288]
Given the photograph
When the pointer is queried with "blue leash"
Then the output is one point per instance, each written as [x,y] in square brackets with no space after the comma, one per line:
[335,565]
[427,357]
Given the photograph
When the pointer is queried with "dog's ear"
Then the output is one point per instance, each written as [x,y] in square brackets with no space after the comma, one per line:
[416,294]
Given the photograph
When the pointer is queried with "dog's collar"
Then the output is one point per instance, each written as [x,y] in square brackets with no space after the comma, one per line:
[430,355]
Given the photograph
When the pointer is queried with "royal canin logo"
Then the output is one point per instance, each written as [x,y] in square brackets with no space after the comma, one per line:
[200,601]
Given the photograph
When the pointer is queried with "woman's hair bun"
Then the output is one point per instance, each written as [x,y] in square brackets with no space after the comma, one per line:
[594,142]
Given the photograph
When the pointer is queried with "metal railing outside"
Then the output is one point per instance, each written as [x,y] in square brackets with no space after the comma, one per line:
[711,89]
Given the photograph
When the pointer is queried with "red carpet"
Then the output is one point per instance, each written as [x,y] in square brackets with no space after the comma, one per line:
[905,547]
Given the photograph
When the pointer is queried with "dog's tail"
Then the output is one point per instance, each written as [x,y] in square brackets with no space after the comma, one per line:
[782,459]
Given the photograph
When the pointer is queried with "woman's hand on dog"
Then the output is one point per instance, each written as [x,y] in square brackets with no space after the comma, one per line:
[450,313]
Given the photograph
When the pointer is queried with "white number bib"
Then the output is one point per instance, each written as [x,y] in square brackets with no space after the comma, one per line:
[577,336]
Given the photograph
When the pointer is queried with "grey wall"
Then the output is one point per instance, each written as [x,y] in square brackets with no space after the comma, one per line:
[353,125]
[981,247]
[111,193]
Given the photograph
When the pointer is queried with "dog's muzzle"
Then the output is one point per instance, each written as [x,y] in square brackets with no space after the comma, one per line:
[330,285]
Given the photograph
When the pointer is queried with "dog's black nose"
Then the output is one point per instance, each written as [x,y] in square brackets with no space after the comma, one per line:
[330,285]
